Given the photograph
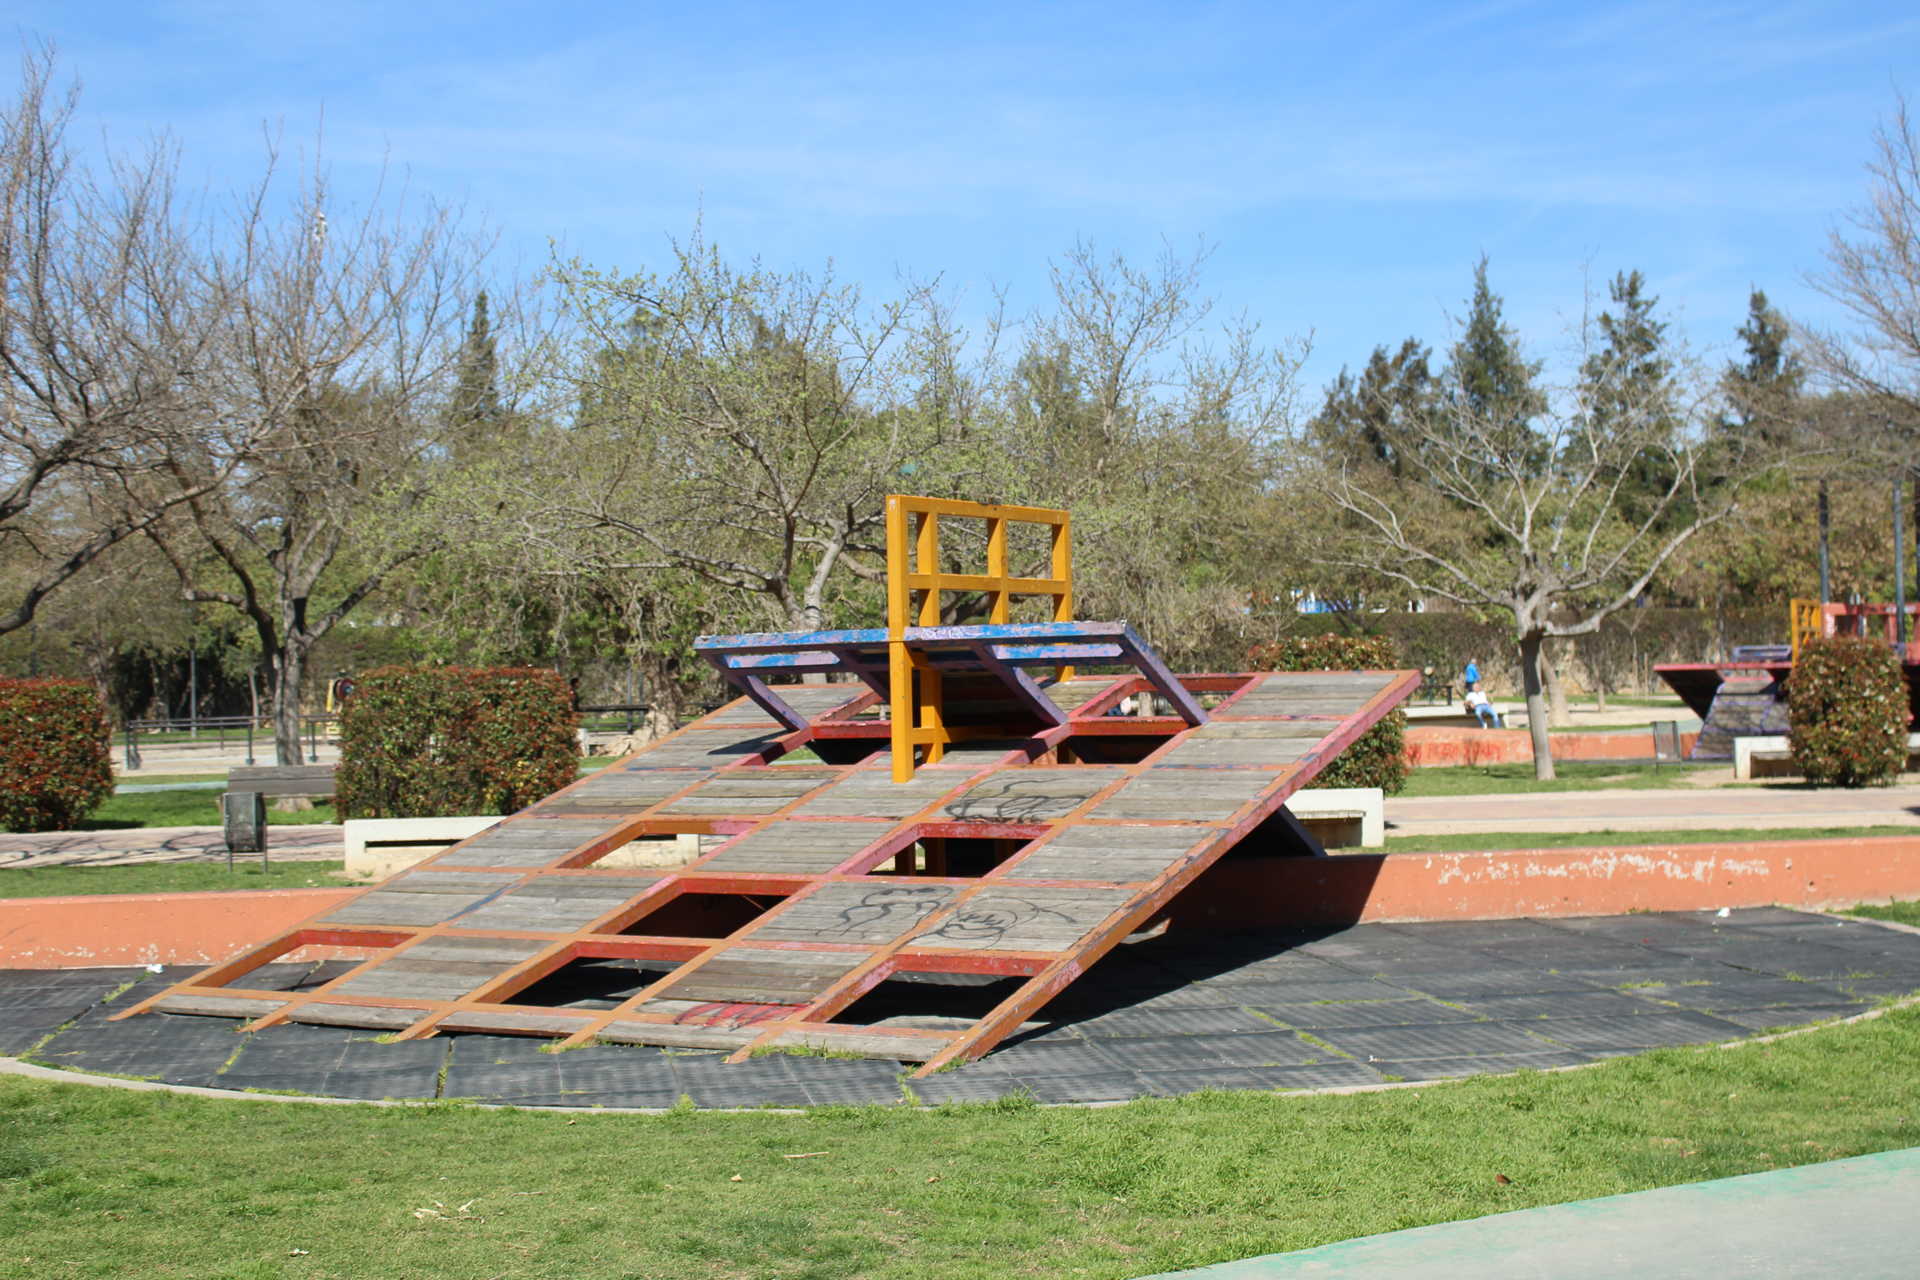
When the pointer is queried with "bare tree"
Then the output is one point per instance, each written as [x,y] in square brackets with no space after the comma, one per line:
[740,426]
[1873,272]
[106,325]
[340,341]
[1556,521]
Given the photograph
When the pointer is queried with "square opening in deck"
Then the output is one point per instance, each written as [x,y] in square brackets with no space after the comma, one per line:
[932,1001]
[591,982]
[693,913]
[955,857]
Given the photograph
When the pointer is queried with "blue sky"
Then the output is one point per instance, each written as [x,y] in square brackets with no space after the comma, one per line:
[1350,162]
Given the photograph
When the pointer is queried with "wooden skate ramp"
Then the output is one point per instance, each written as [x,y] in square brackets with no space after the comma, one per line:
[1007,867]
[914,890]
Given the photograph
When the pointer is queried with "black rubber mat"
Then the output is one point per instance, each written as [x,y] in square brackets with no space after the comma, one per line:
[1374,1013]
[1434,1040]
[1164,1016]
[1642,1031]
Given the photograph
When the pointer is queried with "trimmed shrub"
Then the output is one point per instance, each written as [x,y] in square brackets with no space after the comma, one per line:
[428,742]
[56,765]
[1377,757]
[1847,712]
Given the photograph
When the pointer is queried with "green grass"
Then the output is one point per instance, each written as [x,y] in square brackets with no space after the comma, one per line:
[175,877]
[184,809]
[142,778]
[1571,775]
[105,1183]
[1619,839]
[1898,912]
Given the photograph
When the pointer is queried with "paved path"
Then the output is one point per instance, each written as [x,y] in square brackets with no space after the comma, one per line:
[1854,1218]
[1684,809]
[161,844]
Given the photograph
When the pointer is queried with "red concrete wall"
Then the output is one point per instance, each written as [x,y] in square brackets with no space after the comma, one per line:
[1438,746]
[1551,882]
[98,930]
[202,928]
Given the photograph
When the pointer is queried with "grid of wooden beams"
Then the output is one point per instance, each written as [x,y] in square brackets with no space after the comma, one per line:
[823,880]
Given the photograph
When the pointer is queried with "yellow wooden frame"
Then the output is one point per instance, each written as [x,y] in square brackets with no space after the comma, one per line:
[1806,620]
[915,584]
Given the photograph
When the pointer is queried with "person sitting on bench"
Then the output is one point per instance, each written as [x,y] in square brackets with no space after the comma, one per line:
[1483,710]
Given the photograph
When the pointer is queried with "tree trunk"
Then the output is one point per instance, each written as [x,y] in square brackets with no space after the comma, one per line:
[289,667]
[1559,714]
[1530,667]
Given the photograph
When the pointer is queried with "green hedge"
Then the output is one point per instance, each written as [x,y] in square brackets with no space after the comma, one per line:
[56,765]
[1377,757]
[1847,712]
[425,742]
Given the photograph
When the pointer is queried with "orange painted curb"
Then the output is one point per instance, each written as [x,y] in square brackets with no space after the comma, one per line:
[1442,746]
[1499,885]
[203,928]
[95,930]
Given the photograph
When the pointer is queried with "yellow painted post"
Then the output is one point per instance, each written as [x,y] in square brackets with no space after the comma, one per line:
[1002,610]
[930,723]
[899,668]
[1062,569]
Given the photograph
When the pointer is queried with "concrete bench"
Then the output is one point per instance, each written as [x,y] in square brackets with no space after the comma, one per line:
[1452,716]
[1768,756]
[1351,816]
[380,847]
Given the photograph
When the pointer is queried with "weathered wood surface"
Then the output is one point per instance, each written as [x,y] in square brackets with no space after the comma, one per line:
[698,748]
[219,1006]
[421,898]
[1119,854]
[808,848]
[678,1036]
[526,842]
[751,791]
[1030,795]
[372,1016]
[1186,795]
[870,793]
[441,968]
[556,904]
[756,975]
[1018,918]
[870,912]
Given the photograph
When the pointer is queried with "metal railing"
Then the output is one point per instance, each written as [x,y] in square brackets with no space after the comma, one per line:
[140,737]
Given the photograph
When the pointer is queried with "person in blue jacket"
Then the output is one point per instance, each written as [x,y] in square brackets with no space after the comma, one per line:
[1472,675]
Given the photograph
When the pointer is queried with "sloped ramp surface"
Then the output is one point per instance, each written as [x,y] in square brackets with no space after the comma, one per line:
[979,889]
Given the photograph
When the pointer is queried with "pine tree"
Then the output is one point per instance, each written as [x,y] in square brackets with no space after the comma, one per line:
[1489,376]
[476,392]
[1764,386]
[1626,388]
[1379,415]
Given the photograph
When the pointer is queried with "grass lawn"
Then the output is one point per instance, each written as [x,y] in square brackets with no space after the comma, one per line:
[184,809]
[1571,775]
[1617,839]
[99,1182]
[175,877]
[1898,912]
